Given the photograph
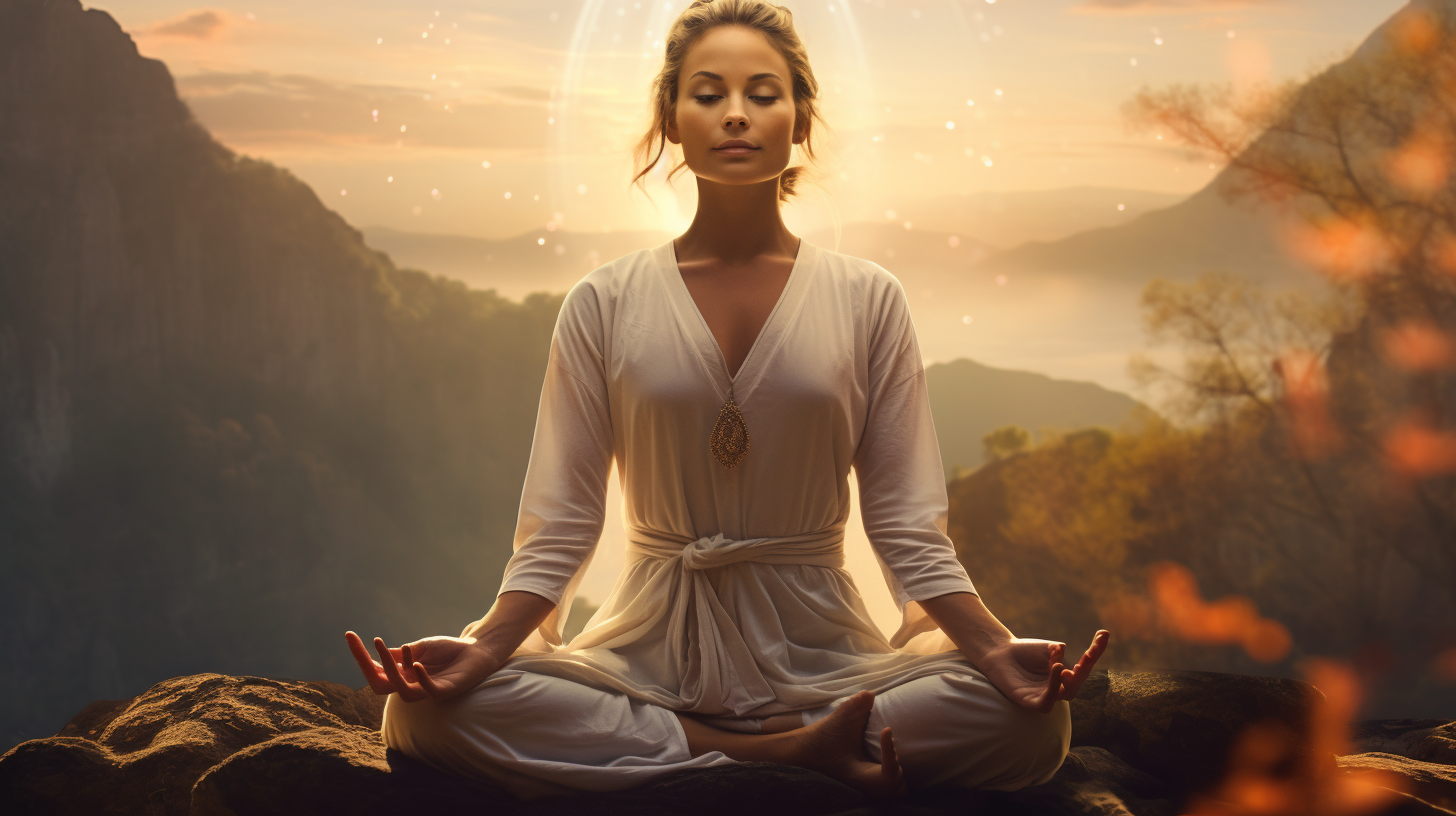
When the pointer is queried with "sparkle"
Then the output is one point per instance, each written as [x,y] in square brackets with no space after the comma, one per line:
[971,102]
[379,41]
[485,164]
[508,195]
[581,189]
[907,225]
[889,215]
[950,125]
[540,242]
[401,128]
[998,92]
[1133,62]
[343,192]
[391,178]
[986,160]
[424,34]
[1121,207]
[966,319]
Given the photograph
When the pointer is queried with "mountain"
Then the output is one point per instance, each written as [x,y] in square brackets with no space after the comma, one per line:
[1202,233]
[553,260]
[229,429]
[969,400]
[536,261]
[1005,219]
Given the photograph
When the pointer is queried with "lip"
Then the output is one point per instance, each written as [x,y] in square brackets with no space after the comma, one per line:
[736,146]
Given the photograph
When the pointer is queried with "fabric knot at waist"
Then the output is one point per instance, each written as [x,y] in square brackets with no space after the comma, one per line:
[822,548]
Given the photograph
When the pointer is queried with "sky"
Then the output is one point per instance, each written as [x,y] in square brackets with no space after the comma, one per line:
[493,118]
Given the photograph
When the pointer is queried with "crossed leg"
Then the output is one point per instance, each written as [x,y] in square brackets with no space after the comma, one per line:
[539,735]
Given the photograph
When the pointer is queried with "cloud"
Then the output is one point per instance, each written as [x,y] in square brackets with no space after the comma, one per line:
[196,25]
[257,108]
[1169,6]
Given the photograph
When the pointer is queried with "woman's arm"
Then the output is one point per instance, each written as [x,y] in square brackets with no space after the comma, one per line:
[515,615]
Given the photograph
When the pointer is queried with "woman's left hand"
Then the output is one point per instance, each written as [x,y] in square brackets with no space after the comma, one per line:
[1031,673]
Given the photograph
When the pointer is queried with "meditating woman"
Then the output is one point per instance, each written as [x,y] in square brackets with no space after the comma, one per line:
[735,374]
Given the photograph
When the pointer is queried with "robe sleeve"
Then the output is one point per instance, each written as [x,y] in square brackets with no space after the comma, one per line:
[902,491]
[563,499]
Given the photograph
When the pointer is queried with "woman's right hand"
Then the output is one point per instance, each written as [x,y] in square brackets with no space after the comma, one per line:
[438,667]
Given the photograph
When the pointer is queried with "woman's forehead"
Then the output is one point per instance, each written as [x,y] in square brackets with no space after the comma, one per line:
[734,53]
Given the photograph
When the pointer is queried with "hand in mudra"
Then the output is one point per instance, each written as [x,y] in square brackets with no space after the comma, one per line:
[439,667]
[1031,672]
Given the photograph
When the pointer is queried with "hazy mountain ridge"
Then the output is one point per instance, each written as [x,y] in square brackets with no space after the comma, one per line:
[229,430]
[970,400]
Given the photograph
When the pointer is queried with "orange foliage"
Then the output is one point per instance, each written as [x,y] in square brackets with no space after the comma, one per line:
[1415,31]
[1175,607]
[1307,397]
[1421,165]
[1443,252]
[1341,248]
[1259,783]
[1419,345]
[1415,449]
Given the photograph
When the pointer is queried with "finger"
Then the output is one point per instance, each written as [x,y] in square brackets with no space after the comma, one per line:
[1052,691]
[431,686]
[407,662]
[372,671]
[1055,653]
[890,760]
[1073,683]
[401,685]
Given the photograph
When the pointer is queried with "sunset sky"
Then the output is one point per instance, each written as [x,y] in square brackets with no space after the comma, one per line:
[495,118]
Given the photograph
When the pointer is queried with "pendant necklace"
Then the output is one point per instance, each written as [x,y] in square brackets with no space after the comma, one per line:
[729,440]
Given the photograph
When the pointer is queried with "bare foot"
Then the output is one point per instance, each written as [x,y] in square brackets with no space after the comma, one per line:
[834,746]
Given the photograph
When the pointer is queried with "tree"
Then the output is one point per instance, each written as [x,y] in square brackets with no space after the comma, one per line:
[1005,441]
[1343,413]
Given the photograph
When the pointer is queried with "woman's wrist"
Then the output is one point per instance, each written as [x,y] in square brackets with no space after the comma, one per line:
[968,624]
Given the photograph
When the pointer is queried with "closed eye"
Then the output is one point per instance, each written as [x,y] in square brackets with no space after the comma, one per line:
[701,97]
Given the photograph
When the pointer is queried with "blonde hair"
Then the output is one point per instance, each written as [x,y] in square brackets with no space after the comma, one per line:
[777,24]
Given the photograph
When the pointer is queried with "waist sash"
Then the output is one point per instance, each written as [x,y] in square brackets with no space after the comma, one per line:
[822,548]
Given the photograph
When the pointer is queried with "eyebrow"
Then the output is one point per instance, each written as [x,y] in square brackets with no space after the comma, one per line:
[755,77]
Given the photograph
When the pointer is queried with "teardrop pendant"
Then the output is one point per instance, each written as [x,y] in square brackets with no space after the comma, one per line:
[729,440]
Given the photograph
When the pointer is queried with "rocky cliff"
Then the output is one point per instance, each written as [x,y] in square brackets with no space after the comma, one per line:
[1143,744]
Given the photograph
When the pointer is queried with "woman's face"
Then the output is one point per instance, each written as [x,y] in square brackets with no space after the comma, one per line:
[734,85]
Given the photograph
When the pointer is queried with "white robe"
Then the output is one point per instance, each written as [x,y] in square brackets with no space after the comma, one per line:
[734,602]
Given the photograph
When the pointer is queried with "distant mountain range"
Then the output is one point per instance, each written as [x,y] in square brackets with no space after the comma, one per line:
[969,400]
[982,224]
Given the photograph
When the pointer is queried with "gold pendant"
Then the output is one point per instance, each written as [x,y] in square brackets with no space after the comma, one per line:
[729,440]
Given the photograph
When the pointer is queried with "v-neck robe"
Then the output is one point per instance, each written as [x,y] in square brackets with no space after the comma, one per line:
[734,601]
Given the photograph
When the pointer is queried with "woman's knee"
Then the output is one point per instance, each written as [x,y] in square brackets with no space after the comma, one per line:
[960,730]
